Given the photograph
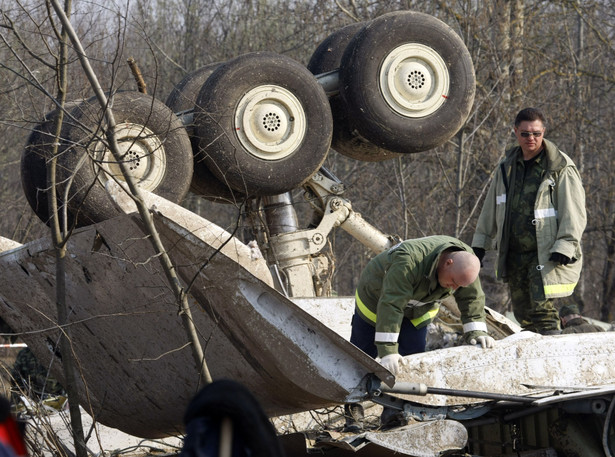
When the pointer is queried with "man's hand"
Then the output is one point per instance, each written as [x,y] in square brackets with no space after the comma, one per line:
[478,337]
[559,258]
[393,363]
[484,341]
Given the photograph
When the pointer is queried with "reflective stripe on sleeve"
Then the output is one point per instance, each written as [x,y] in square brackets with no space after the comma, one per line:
[543,213]
[386,337]
[474,326]
[500,199]
[559,290]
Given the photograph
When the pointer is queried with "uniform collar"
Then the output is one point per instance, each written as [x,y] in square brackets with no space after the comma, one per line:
[537,159]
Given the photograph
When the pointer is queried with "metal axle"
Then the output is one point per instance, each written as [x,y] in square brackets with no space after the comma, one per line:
[410,388]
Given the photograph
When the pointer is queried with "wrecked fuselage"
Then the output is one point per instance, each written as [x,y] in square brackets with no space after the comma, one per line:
[136,367]
[137,372]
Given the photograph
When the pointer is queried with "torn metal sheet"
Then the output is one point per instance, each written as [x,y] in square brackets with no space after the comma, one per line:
[423,439]
[516,362]
[136,366]
[335,312]
[419,439]
[197,229]
[581,393]
[7,244]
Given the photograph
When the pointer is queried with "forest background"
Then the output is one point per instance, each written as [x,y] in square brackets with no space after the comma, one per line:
[558,56]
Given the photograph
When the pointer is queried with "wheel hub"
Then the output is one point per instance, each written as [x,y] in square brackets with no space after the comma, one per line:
[414,80]
[142,153]
[270,122]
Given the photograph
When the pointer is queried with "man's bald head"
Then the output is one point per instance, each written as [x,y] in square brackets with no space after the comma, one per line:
[457,269]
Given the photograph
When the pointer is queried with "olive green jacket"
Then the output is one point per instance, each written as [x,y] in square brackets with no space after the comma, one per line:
[402,281]
[559,218]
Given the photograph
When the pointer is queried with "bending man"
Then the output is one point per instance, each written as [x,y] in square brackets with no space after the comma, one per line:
[399,294]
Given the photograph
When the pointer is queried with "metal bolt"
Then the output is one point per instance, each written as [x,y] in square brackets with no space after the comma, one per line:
[317,238]
[336,204]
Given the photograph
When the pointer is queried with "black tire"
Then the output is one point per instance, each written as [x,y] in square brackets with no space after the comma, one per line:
[184,94]
[149,134]
[206,185]
[34,166]
[346,140]
[264,124]
[34,158]
[328,55]
[408,82]
[183,98]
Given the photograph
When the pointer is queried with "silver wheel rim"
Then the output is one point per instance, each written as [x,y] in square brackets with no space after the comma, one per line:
[142,152]
[270,122]
[414,80]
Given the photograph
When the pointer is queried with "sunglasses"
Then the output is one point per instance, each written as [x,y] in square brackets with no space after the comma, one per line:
[529,134]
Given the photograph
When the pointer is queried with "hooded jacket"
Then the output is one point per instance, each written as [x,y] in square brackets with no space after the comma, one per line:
[402,281]
[559,218]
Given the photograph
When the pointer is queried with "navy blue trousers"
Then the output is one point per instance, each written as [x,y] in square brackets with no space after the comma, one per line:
[411,340]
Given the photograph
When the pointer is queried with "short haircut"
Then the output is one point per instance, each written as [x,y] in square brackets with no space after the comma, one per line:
[530,114]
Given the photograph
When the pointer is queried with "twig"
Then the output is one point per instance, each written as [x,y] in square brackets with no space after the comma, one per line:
[134,68]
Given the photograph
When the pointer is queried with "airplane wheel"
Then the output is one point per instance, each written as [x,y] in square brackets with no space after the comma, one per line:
[184,94]
[346,140]
[263,123]
[182,98]
[407,80]
[150,137]
[328,54]
[34,157]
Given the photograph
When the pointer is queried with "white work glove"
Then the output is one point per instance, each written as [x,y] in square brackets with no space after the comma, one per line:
[485,341]
[393,363]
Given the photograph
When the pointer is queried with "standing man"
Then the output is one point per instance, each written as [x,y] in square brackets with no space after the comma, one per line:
[399,293]
[534,216]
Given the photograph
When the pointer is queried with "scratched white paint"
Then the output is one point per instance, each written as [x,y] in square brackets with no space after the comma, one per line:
[524,359]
